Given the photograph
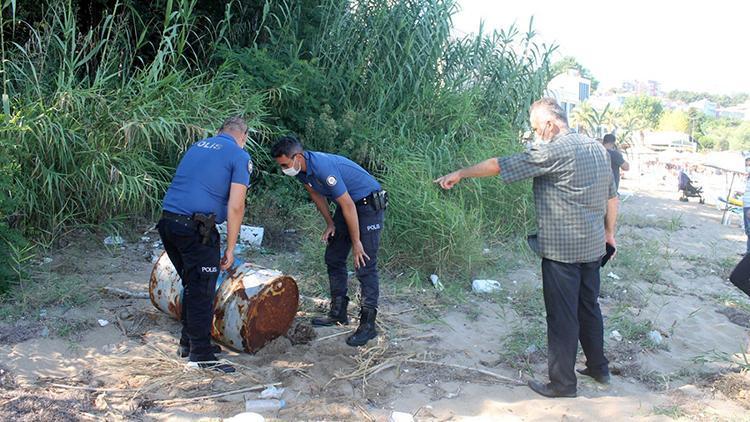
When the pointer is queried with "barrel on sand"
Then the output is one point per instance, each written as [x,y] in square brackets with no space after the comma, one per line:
[253,305]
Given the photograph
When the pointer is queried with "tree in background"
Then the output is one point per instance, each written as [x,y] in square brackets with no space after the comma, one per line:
[674,121]
[647,110]
[570,62]
[722,100]
[591,121]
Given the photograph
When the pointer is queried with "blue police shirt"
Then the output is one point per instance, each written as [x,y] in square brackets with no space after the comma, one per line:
[204,176]
[333,175]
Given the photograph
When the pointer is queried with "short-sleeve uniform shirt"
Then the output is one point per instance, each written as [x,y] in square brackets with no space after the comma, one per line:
[616,160]
[205,175]
[333,175]
[572,183]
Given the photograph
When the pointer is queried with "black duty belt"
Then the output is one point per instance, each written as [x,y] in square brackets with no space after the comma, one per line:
[377,200]
[204,223]
[185,219]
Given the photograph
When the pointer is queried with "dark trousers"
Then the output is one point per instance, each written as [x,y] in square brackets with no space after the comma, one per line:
[198,267]
[337,252]
[740,276]
[571,294]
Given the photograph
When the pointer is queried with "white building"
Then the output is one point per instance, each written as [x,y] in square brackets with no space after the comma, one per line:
[669,141]
[705,106]
[569,89]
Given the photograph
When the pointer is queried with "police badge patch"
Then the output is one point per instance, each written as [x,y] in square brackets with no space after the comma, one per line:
[331,181]
[250,166]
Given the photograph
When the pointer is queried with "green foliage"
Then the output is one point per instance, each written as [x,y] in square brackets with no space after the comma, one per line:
[100,111]
[724,134]
[569,62]
[591,121]
[722,100]
[646,109]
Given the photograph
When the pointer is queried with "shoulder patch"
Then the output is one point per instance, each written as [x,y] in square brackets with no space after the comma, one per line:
[331,181]
[250,166]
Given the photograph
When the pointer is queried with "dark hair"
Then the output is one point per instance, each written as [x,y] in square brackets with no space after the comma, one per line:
[287,145]
[609,139]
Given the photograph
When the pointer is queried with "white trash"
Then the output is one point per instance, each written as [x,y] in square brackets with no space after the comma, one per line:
[264,405]
[655,337]
[102,322]
[113,240]
[249,235]
[246,417]
[436,282]
[613,276]
[271,393]
[400,417]
[615,335]
[485,286]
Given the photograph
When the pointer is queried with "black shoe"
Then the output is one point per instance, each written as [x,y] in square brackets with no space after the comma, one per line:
[337,314]
[183,350]
[224,368]
[548,390]
[600,378]
[366,330]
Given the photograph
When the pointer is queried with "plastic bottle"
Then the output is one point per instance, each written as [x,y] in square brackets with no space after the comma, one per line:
[264,405]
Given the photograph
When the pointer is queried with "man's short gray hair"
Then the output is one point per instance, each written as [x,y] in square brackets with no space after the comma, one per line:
[550,106]
[235,124]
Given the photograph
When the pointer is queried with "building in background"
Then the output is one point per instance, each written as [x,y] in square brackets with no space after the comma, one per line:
[709,108]
[569,89]
[739,112]
[669,141]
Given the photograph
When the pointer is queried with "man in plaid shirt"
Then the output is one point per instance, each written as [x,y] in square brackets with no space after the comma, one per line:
[576,208]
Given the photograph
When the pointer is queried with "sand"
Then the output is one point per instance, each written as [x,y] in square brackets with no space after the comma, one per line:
[701,317]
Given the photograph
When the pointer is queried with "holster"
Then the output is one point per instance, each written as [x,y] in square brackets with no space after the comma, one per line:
[205,224]
[380,200]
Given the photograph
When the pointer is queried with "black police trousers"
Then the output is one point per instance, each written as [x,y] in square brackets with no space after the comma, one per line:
[571,293]
[337,252]
[740,276]
[198,267]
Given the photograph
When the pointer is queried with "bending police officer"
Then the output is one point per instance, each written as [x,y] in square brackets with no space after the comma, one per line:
[356,225]
[208,188]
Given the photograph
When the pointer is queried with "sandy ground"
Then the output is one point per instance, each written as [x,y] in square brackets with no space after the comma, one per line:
[673,266]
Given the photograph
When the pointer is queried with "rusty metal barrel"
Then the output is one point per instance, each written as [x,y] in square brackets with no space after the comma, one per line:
[253,305]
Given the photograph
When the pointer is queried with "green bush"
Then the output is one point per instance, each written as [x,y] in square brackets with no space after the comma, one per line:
[101,117]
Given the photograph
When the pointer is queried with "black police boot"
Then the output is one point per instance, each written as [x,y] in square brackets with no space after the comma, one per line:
[183,350]
[337,314]
[366,330]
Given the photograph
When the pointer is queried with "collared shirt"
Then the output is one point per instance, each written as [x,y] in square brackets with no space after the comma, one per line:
[572,183]
[204,177]
[333,175]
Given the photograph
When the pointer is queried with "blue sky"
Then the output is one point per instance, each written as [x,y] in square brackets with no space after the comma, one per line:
[693,45]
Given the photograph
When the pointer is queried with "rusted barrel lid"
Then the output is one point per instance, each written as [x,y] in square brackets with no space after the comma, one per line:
[263,312]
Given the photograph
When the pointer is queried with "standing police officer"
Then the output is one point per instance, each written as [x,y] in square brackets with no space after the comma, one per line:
[209,187]
[356,225]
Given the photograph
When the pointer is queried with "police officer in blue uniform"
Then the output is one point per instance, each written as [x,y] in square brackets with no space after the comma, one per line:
[356,225]
[208,188]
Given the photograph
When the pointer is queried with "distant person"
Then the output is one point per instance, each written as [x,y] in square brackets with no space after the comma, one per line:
[576,207]
[740,276]
[615,157]
[355,227]
[746,204]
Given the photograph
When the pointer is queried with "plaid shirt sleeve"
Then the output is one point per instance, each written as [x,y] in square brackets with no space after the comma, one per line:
[537,161]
